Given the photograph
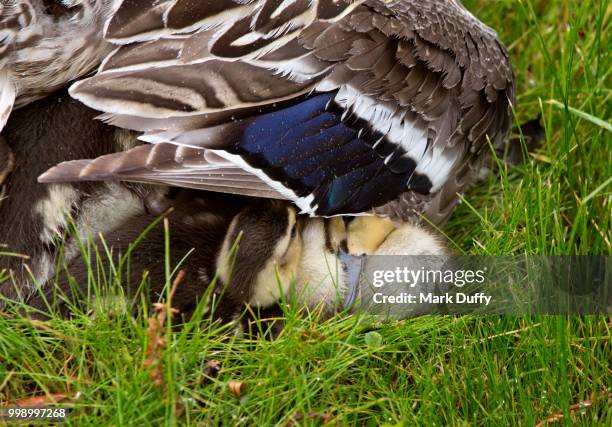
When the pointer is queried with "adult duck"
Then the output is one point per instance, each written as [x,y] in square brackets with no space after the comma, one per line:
[46,44]
[343,107]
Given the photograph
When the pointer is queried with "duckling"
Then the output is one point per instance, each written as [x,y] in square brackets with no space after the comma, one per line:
[341,107]
[329,274]
[204,234]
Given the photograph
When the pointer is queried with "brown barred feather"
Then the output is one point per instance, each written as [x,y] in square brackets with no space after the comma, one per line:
[185,68]
[44,45]
[138,163]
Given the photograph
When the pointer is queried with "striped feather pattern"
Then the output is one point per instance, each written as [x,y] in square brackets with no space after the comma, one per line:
[425,79]
[168,164]
[44,45]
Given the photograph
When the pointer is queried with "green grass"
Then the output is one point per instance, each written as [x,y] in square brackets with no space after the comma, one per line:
[431,370]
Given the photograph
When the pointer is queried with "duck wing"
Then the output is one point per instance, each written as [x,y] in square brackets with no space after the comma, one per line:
[339,106]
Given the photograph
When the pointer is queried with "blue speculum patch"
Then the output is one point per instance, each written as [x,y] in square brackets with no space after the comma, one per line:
[310,149]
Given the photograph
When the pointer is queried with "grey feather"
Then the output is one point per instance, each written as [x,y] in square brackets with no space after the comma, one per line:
[165,164]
